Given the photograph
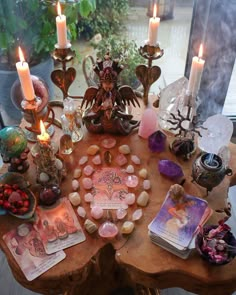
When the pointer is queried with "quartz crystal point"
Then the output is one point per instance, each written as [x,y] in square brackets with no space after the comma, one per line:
[170,169]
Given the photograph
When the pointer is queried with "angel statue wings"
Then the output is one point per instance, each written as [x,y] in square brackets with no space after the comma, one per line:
[106,104]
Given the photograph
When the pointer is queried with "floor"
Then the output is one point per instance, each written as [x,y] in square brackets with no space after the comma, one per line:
[173,36]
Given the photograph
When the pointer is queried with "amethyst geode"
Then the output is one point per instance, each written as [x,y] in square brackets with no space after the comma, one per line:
[156,141]
[170,169]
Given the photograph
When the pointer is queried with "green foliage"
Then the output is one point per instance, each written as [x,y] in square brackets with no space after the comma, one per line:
[107,19]
[126,51]
[31,24]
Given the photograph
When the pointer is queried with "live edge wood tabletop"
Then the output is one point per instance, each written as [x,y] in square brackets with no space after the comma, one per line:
[97,266]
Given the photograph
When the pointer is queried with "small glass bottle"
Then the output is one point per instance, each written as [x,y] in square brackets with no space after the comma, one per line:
[71,120]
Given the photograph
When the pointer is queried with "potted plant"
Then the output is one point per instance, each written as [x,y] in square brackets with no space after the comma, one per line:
[31,25]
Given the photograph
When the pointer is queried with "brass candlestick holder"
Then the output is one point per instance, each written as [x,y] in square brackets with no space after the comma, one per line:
[63,78]
[147,75]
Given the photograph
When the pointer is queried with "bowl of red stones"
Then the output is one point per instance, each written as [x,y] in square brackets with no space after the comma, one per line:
[15,196]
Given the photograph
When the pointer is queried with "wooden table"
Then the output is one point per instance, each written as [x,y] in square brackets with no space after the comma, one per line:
[97,266]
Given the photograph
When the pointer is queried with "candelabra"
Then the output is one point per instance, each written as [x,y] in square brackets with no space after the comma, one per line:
[147,75]
[36,109]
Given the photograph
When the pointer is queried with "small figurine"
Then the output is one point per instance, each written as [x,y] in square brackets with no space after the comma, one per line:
[108,101]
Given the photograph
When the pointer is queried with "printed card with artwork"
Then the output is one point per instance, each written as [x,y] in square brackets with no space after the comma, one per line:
[58,226]
[27,248]
[177,221]
[109,188]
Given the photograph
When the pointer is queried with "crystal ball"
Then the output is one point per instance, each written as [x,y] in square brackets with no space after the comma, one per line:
[13,141]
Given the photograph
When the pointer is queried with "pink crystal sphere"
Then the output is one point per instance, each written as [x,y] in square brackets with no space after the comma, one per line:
[108,230]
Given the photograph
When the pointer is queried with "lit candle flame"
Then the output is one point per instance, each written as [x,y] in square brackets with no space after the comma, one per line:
[21,55]
[58,8]
[200,51]
[44,136]
[155,11]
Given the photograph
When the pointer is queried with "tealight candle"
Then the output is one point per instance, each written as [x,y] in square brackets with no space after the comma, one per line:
[24,76]
[44,137]
[61,28]
[154,23]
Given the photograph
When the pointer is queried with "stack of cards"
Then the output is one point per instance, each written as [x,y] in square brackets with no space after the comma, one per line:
[38,247]
[177,223]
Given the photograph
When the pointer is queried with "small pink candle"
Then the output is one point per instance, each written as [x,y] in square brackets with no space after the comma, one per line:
[154,23]
[24,76]
[61,28]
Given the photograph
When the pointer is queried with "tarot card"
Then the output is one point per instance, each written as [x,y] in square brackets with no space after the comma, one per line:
[27,248]
[109,188]
[58,226]
[177,221]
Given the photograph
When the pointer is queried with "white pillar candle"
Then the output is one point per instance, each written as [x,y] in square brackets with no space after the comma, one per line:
[61,28]
[196,73]
[154,23]
[24,76]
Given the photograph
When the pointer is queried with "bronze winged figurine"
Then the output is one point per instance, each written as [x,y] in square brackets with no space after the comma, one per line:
[106,104]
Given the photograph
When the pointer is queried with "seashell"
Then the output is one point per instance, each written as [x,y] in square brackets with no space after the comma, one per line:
[130,169]
[146,184]
[135,159]
[93,150]
[107,157]
[88,198]
[43,177]
[58,164]
[83,160]
[87,183]
[81,212]
[74,198]
[143,173]
[127,227]
[90,226]
[88,170]
[143,199]
[75,184]
[77,173]
[124,149]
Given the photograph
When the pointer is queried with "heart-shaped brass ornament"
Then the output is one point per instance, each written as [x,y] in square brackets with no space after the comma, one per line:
[63,79]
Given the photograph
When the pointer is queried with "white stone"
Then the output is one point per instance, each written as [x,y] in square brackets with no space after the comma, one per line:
[88,198]
[59,164]
[75,184]
[74,198]
[88,170]
[135,159]
[124,149]
[87,183]
[146,184]
[81,212]
[130,198]
[143,199]
[43,177]
[130,169]
[83,160]
[143,173]
[93,150]
[137,214]
[97,160]
[127,227]
[77,173]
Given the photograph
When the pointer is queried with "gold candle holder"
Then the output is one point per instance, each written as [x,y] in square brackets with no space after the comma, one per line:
[147,75]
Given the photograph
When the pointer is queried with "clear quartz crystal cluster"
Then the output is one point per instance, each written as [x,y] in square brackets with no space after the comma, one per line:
[136,176]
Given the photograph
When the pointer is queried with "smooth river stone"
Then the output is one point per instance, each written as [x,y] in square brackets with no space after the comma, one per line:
[135,159]
[170,169]
[97,212]
[43,177]
[77,173]
[93,150]
[143,173]
[130,198]
[121,213]
[121,160]
[90,226]
[137,214]
[74,198]
[108,142]
[108,230]
[58,164]
[146,184]
[83,160]
[97,160]
[124,149]
[81,212]
[75,184]
[87,183]
[88,170]
[127,227]
[88,198]
[143,199]
[130,169]
[131,181]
